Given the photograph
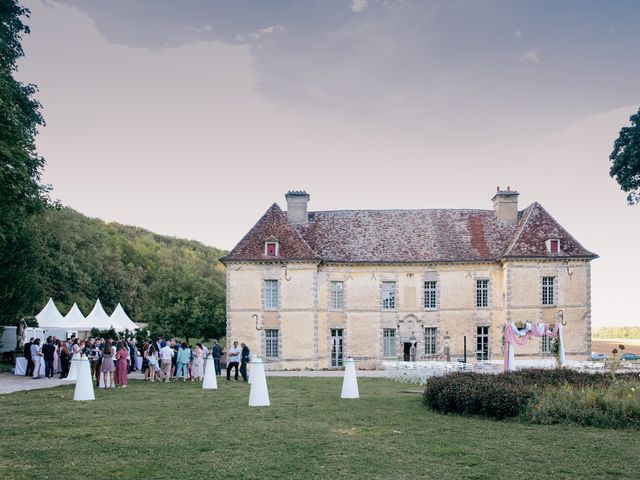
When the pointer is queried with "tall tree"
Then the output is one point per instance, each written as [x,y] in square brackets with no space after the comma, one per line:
[626,160]
[22,195]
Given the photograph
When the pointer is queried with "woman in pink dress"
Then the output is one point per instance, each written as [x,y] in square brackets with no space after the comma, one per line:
[121,364]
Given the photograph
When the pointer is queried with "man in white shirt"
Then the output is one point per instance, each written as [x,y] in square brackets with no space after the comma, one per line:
[234,360]
[166,354]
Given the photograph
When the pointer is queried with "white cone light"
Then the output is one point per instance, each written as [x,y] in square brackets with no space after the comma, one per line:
[72,376]
[350,382]
[259,394]
[84,384]
[210,382]
[102,375]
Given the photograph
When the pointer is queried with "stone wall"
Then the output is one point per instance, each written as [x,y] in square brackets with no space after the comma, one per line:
[305,320]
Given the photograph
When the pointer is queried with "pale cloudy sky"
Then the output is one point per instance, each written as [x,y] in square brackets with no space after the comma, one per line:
[190,118]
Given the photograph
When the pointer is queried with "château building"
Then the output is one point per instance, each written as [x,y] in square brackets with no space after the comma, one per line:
[306,289]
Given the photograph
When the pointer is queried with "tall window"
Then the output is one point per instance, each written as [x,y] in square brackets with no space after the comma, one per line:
[272,349]
[547,344]
[548,284]
[388,295]
[336,296]
[482,293]
[430,340]
[271,294]
[482,343]
[389,342]
[430,294]
[337,344]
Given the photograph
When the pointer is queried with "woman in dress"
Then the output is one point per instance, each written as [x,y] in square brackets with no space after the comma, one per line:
[64,359]
[122,353]
[198,362]
[108,368]
[56,356]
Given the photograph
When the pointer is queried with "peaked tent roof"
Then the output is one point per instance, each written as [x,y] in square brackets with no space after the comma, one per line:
[98,318]
[121,320]
[274,224]
[409,236]
[50,316]
[73,317]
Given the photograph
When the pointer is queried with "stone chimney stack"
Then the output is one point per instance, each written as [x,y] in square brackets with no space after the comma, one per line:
[505,204]
[297,202]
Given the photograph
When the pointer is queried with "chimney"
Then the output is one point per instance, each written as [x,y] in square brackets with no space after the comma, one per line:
[505,204]
[297,206]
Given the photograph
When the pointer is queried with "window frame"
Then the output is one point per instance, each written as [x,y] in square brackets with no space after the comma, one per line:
[335,295]
[389,343]
[483,338]
[546,344]
[548,297]
[268,294]
[430,293]
[271,343]
[391,302]
[482,293]
[276,249]
[554,241]
[430,340]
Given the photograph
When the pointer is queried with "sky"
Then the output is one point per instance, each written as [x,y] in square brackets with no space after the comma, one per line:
[190,118]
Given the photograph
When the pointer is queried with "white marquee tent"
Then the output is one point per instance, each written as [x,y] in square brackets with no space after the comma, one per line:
[74,317]
[121,320]
[50,317]
[98,318]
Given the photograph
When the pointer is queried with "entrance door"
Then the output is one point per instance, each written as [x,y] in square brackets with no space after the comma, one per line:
[407,351]
[337,342]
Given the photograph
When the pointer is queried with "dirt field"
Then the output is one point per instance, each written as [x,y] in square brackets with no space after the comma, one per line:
[605,346]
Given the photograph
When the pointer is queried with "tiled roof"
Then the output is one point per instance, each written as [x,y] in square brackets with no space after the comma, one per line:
[273,225]
[398,236]
[536,226]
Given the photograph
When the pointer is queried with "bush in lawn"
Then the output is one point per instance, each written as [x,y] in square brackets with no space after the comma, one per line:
[503,395]
[616,406]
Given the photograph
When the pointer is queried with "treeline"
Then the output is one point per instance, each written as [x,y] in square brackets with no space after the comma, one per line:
[616,332]
[174,285]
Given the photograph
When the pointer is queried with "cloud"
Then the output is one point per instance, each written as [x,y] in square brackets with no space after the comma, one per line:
[518,35]
[203,29]
[358,5]
[531,56]
[261,33]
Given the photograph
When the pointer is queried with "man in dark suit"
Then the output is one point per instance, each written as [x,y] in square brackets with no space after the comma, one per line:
[48,349]
[216,353]
[27,356]
[245,357]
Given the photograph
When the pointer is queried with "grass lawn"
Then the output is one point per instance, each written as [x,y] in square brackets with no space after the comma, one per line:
[155,431]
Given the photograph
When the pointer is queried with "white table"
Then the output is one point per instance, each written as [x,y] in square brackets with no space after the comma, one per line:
[21,366]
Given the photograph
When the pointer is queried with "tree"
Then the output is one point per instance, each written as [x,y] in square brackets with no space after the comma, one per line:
[22,196]
[626,160]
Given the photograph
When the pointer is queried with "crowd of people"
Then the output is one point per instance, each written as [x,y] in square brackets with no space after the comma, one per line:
[110,362]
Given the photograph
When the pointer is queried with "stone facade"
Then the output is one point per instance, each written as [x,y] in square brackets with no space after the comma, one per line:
[299,322]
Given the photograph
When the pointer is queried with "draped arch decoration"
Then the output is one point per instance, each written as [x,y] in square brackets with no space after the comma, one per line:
[515,337]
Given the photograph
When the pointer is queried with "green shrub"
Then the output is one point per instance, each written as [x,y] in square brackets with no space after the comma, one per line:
[616,406]
[504,395]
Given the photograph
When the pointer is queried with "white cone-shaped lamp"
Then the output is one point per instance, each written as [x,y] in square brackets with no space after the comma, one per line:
[350,382]
[84,384]
[102,384]
[210,382]
[259,394]
[73,369]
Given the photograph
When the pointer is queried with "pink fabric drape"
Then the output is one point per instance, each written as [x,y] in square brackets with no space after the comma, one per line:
[510,337]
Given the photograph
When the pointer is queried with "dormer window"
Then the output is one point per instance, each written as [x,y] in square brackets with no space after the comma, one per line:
[553,245]
[271,249]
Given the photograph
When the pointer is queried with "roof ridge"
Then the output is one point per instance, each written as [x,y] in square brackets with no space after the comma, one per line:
[519,230]
[407,210]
